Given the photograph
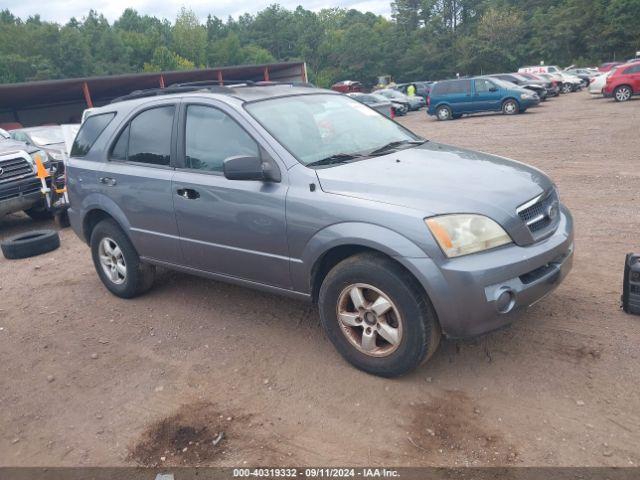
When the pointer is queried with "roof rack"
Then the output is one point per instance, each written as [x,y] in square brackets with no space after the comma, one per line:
[212,86]
[214,83]
[153,92]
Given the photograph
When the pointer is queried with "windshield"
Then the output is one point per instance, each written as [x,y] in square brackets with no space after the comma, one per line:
[315,127]
[49,136]
[503,83]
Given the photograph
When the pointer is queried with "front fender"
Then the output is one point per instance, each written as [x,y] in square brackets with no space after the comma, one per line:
[360,234]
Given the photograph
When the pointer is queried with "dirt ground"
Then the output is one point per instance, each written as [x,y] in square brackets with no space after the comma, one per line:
[89,379]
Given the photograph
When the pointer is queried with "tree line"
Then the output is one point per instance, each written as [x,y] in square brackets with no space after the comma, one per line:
[423,39]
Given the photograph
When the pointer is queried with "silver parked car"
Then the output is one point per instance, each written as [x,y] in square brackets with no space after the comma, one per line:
[47,137]
[377,102]
[308,193]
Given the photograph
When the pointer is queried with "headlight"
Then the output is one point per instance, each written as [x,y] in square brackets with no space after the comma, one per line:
[527,95]
[39,155]
[462,234]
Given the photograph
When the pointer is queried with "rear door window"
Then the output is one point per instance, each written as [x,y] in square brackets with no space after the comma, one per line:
[89,133]
[147,138]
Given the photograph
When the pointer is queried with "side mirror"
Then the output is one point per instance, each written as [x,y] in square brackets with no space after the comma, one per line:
[243,167]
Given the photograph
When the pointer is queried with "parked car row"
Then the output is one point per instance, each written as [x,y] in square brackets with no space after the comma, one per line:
[450,99]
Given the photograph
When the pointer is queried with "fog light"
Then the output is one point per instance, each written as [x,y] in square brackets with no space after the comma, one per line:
[505,301]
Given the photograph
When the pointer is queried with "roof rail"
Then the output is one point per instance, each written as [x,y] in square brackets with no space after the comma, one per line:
[214,83]
[211,86]
[153,92]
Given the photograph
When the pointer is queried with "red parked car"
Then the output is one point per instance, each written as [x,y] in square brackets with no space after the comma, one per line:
[605,67]
[347,86]
[624,82]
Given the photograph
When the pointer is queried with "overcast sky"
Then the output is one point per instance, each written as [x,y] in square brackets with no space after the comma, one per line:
[62,10]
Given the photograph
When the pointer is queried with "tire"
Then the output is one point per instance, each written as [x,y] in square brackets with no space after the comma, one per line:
[510,107]
[567,88]
[411,315]
[39,213]
[30,244]
[128,277]
[444,113]
[622,93]
[62,220]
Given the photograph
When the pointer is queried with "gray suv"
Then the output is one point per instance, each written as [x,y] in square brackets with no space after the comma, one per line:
[308,193]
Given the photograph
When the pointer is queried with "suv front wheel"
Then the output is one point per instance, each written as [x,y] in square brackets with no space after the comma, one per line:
[117,262]
[377,316]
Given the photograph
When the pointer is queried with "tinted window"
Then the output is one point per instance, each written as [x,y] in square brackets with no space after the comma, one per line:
[456,86]
[633,69]
[211,136]
[150,136]
[89,133]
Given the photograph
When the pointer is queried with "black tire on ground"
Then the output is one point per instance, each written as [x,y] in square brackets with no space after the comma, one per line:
[30,244]
[39,213]
[139,276]
[62,220]
[444,113]
[510,107]
[421,330]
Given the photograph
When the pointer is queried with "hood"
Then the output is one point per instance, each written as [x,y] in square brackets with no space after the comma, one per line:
[438,179]
[9,145]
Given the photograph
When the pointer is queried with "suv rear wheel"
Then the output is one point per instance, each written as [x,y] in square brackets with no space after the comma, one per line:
[377,316]
[117,262]
[444,113]
[622,93]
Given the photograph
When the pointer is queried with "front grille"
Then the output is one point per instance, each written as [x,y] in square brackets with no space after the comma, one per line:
[540,213]
[14,168]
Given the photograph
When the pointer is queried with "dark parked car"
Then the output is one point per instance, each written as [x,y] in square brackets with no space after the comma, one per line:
[552,86]
[524,82]
[305,192]
[412,103]
[422,88]
[48,138]
[377,102]
[450,99]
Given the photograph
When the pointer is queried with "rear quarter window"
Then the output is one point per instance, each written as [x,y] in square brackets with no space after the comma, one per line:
[89,133]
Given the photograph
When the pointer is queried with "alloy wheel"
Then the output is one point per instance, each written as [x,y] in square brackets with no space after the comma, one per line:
[369,320]
[623,94]
[112,261]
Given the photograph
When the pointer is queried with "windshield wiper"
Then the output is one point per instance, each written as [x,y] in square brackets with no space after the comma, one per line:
[394,145]
[335,158]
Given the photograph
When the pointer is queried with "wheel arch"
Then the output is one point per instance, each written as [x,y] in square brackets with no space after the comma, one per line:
[333,244]
[106,210]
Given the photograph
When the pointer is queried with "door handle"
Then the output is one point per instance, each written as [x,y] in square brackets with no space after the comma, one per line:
[188,193]
[108,181]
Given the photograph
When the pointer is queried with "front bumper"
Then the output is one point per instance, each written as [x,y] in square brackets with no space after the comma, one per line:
[20,195]
[465,291]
